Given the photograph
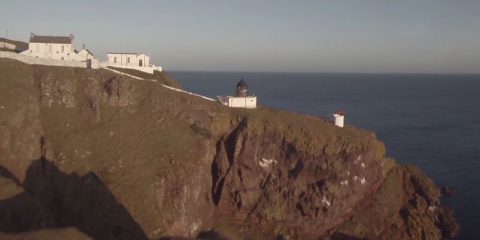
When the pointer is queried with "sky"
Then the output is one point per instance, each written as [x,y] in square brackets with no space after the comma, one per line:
[354,36]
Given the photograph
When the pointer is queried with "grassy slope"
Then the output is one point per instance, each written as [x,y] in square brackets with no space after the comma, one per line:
[144,136]
[162,77]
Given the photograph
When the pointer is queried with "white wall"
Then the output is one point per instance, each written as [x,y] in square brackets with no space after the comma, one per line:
[125,59]
[242,102]
[131,61]
[339,120]
[45,61]
[85,54]
[143,69]
[7,45]
[56,51]
[145,59]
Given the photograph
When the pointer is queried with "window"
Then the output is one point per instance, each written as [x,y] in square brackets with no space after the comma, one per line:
[62,58]
[128,59]
[63,48]
[140,62]
[115,59]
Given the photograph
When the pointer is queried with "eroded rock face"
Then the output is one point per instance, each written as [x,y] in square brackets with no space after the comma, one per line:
[117,158]
[262,178]
[405,207]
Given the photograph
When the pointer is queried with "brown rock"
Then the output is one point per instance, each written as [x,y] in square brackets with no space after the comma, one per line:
[118,158]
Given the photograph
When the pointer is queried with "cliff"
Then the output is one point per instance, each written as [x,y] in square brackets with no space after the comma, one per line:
[92,154]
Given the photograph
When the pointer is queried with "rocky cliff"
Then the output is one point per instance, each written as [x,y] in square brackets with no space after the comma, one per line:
[92,154]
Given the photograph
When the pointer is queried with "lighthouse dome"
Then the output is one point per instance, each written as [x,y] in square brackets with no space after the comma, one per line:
[242,84]
[242,89]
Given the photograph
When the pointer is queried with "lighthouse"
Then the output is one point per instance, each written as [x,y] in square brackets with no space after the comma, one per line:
[242,89]
[241,99]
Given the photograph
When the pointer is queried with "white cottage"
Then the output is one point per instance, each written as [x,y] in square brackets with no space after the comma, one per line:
[135,61]
[241,99]
[56,48]
[51,47]
[6,44]
[12,45]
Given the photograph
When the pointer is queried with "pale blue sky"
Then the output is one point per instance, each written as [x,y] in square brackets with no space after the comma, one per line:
[405,36]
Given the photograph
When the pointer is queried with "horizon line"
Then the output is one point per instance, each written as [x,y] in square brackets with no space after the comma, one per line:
[318,72]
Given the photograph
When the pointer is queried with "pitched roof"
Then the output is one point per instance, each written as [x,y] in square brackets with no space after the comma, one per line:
[6,40]
[88,51]
[51,39]
[242,84]
[18,44]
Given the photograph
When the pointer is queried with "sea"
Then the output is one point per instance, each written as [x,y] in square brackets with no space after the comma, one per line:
[428,120]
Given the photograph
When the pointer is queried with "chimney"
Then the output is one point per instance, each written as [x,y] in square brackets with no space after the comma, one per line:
[83,46]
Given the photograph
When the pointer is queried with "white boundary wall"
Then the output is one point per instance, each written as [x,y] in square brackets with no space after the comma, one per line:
[83,64]
[189,93]
[130,75]
[150,69]
[165,86]
[44,61]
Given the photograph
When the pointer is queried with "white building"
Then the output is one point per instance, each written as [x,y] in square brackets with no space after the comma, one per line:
[135,61]
[4,43]
[339,119]
[86,54]
[241,98]
[238,102]
[12,45]
[56,48]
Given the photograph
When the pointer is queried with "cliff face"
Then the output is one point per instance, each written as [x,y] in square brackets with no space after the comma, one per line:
[111,157]
[298,178]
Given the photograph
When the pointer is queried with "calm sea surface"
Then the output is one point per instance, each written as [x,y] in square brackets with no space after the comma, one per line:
[432,121]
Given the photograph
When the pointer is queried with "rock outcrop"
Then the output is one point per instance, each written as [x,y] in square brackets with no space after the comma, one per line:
[92,154]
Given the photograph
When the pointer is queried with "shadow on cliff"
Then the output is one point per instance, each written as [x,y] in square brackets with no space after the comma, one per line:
[8,175]
[53,199]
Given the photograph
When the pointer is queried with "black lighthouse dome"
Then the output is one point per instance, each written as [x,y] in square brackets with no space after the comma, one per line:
[242,89]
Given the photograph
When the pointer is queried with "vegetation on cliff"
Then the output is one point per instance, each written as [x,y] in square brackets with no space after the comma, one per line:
[110,157]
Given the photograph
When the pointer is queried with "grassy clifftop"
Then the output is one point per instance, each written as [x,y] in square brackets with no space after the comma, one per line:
[119,158]
[161,77]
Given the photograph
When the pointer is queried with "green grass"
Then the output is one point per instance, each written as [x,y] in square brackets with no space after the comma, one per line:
[159,136]
[162,77]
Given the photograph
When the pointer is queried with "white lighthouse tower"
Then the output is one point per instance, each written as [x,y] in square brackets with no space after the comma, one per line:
[339,119]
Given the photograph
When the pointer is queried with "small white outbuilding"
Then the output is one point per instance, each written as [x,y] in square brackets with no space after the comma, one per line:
[135,61]
[129,59]
[339,119]
[5,43]
[86,54]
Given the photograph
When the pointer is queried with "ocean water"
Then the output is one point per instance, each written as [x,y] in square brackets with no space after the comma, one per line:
[431,121]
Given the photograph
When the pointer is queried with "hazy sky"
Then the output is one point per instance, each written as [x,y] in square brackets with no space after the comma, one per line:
[314,36]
